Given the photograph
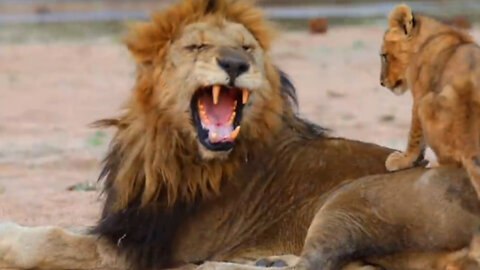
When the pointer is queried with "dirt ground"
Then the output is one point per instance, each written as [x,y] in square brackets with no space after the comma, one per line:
[49,93]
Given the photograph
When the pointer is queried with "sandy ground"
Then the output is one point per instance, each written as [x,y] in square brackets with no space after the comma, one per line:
[50,92]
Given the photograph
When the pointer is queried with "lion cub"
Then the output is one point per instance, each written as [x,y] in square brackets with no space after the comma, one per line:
[441,66]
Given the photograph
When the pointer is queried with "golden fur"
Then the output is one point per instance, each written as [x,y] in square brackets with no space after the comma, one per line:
[284,188]
[439,64]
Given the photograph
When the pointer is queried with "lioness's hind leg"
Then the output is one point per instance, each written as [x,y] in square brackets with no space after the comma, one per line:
[53,248]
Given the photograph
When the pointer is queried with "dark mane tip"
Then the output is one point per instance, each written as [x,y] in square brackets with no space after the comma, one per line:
[287,87]
[288,90]
[104,123]
[211,6]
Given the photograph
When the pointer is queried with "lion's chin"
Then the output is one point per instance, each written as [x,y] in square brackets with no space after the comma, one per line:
[207,154]
[216,115]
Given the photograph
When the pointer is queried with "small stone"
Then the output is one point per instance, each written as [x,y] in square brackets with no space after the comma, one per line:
[334,94]
[387,118]
[318,25]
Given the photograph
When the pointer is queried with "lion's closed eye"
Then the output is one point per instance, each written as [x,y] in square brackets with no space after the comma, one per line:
[197,47]
[248,48]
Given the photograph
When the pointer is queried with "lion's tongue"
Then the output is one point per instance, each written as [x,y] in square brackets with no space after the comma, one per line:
[219,116]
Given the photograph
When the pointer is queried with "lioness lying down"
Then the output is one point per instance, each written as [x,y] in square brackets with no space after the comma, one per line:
[211,163]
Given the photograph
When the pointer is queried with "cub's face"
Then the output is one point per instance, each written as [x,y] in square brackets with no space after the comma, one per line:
[394,56]
[214,71]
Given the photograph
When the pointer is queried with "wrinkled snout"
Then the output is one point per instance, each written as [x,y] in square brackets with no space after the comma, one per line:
[234,62]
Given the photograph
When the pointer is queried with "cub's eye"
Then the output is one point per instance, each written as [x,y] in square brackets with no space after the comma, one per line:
[383,56]
[247,48]
[197,47]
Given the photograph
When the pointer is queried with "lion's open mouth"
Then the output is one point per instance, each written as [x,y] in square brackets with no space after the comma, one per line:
[217,112]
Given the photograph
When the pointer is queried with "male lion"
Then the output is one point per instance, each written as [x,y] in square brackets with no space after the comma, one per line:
[211,163]
[439,63]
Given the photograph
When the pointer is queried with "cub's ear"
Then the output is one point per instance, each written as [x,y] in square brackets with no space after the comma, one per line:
[402,17]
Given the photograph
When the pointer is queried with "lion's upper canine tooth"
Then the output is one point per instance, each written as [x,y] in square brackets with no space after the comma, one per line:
[245,96]
[234,134]
[215,93]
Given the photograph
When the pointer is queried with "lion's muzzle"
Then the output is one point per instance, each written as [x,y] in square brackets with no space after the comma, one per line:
[233,62]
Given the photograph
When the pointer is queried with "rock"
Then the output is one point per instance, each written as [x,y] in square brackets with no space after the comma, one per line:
[42,9]
[387,118]
[318,25]
[334,94]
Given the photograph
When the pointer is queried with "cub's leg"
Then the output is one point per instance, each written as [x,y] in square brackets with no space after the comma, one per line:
[437,112]
[471,143]
[471,151]
[415,149]
[53,248]
[451,121]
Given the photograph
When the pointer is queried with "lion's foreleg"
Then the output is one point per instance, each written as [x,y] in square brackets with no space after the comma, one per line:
[53,248]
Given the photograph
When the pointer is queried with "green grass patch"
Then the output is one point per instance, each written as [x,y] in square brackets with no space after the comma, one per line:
[97,139]
[84,186]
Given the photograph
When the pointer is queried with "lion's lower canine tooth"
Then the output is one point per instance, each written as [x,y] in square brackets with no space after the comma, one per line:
[215,93]
[245,96]
[234,134]
[232,117]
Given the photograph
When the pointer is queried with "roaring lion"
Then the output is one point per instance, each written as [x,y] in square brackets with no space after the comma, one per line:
[439,64]
[211,163]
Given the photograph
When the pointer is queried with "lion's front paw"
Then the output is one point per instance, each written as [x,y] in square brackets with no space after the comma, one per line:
[18,246]
[226,266]
[277,261]
[8,235]
[211,266]
[399,160]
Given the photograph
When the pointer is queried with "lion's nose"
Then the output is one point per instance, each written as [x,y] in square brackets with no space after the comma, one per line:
[382,83]
[234,65]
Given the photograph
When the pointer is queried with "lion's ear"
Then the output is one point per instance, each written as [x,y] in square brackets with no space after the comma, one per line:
[402,17]
[210,6]
[213,6]
[143,42]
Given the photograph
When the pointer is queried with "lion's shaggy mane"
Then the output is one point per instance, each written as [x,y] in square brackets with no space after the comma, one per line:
[154,178]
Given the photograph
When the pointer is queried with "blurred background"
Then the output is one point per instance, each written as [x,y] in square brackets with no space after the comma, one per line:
[63,66]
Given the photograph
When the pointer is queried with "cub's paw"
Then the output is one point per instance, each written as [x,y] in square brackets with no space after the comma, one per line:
[399,160]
